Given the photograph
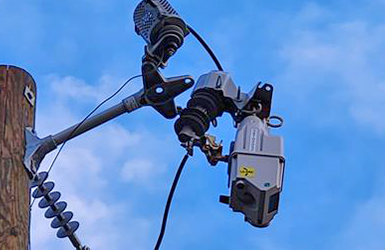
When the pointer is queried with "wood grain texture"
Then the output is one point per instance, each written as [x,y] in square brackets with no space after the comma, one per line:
[16,113]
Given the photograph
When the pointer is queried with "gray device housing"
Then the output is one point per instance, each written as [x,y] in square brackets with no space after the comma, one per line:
[256,168]
[256,161]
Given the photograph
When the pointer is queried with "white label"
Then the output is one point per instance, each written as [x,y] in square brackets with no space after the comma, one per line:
[254,140]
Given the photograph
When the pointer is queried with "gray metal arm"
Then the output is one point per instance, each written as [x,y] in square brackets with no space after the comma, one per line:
[126,106]
[158,92]
[37,148]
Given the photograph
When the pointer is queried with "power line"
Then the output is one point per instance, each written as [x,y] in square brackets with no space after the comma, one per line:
[207,47]
[169,200]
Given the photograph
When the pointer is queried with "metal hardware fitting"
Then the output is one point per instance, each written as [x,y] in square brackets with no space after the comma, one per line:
[35,150]
[209,147]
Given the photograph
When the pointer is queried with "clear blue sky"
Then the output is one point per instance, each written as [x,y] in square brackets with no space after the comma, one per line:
[326,61]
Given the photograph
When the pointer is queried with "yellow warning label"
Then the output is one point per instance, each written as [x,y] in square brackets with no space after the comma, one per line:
[247,171]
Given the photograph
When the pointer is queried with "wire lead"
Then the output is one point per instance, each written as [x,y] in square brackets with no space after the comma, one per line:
[207,47]
[169,201]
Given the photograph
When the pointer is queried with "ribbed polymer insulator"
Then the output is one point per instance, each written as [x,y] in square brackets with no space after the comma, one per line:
[39,179]
[62,220]
[43,190]
[68,230]
[58,209]
[49,200]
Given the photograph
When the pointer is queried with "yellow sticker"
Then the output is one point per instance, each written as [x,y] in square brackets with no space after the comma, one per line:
[247,171]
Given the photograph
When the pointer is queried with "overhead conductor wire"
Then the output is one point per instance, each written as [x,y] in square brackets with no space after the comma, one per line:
[206,46]
[85,119]
[169,200]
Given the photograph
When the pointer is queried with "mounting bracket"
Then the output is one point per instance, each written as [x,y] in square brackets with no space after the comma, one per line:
[159,92]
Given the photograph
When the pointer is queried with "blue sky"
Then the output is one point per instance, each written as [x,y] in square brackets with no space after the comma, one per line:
[325,60]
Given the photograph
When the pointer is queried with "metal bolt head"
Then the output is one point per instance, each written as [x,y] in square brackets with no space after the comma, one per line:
[14,231]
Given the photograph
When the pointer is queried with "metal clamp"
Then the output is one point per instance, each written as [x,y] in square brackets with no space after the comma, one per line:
[35,150]
[159,92]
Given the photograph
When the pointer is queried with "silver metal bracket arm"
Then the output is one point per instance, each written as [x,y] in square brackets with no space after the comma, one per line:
[36,149]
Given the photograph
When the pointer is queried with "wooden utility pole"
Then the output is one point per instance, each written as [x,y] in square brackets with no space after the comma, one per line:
[17,111]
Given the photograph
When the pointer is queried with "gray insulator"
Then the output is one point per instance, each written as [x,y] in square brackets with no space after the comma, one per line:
[59,208]
[68,230]
[50,200]
[62,219]
[43,190]
[39,179]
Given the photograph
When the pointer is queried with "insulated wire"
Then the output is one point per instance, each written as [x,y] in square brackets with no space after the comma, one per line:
[185,158]
[85,119]
[207,47]
[169,200]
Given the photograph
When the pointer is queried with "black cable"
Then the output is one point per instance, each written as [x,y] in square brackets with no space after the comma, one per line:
[85,119]
[169,200]
[207,47]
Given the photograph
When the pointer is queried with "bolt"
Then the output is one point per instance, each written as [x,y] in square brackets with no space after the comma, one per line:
[14,231]
[267,184]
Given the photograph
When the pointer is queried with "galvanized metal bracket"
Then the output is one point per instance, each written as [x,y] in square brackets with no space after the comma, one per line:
[35,150]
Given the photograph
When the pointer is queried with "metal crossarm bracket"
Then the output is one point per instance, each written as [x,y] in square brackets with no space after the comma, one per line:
[35,150]
[159,92]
